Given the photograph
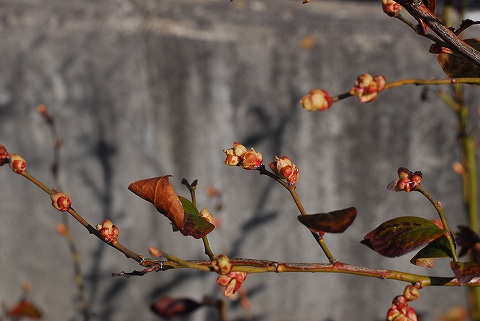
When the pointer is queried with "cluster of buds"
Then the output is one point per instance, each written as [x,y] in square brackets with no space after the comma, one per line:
[406,181]
[108,231]
[232,281]
[317,99]
[240,156]
[222,265]
[285,168]
[400,310]
[4,156]
[367,87]
[17,163]
[391,7]
[61,201]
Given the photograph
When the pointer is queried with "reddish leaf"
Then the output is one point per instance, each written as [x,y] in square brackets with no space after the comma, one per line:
[401,235]
[437,248]
[465,271]
[180,211]
[331,222]
[25,309]
[161,194]
[168,307]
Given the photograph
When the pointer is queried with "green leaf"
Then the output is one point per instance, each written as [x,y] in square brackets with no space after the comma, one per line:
[401,235]
[194,224]
[188,206]
[435,249]
[331,222]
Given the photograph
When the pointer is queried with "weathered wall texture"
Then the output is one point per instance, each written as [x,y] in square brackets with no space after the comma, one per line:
[148,88]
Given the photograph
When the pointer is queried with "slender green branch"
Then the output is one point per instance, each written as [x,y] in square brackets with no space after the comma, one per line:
[438,207]
[293,192]
[264,266]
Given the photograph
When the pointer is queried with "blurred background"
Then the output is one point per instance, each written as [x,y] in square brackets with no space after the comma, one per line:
[144,88]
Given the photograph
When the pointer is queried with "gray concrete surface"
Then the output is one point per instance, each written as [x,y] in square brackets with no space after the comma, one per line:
[148,88]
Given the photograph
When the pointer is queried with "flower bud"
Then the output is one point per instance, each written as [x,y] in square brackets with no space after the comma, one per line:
[61,201]
[239,149]
[391,7]
[206,215]
[17,163]
[108,231]
[232,281]
[404,172]
[231,159]
[285,168]
[367,87]
[239,156]
[411,293]
[251,160]
[317,99]
[4,156]
[154,251]
[222,265]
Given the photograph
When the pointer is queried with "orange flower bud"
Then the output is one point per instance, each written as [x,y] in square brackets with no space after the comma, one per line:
[232,281]
[222,265]
[251,160]
[4,155]
[17,163]
[206,215]
[108,231]
[317,99]
[61,201]
[285,168]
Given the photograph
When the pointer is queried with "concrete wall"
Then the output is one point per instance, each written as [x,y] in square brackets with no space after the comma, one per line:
[149,88]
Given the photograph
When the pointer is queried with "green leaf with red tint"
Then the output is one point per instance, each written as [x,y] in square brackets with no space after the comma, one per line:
[435,249]
[464,272]
[168,307]
[194,225]
[401,235]
[331,222]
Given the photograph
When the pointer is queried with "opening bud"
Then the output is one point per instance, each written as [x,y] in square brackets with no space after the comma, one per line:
[108,231]
[231,282]
[285,168]
[239,156]
[18,164]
